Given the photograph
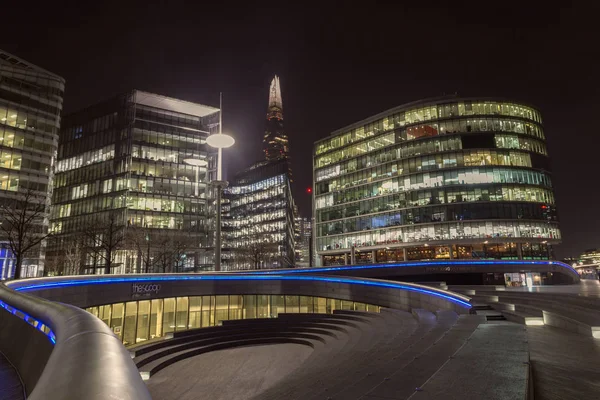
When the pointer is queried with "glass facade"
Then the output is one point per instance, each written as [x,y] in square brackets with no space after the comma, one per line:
[137,321]
[436,180]
[130,155]
[259,227]
[30,107]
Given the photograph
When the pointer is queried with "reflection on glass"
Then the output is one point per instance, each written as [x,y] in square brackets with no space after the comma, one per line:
[143,323]
[156,319]
[221,309]
[168,325]
[182,314]
[195,312]
[130,323]
[235,307]
[116,322]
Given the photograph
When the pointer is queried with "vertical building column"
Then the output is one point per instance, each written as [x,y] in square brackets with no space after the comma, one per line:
[452,252]
[345,258]
[352,255]
[520,251]
[404,253]
[374,256]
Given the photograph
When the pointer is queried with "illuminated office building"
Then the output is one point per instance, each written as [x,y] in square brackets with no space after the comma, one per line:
[442,179]
[303,235]
[260,226]
[127,157]
[30,106]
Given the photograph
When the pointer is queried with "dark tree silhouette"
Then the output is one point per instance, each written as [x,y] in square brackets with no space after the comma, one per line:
[22,224]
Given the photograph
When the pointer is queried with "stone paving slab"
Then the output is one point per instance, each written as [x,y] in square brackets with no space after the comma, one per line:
[492,365]
[566,366]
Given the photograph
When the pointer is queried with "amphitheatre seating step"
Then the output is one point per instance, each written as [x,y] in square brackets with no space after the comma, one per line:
[430,330]
[155,366]
[11,387]
[572,313]
[493,364]
[364,346]
[185,336]
[193,342]
[523,317]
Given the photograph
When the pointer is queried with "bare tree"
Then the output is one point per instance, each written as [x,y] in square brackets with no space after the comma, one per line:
[73,255]
[181,245]
[256,254]
[105,236]
[55,265]
[23,225]
[142,240]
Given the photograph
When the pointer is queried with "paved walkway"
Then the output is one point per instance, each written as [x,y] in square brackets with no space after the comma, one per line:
[565,365]
[10,384]
[240,373]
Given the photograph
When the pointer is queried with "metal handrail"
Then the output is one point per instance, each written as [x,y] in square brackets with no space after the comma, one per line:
[88,361]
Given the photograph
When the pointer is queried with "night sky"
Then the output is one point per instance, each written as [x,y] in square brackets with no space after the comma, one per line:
[337,65]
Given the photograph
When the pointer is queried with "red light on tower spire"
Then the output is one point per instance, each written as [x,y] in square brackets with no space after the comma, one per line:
[309,190]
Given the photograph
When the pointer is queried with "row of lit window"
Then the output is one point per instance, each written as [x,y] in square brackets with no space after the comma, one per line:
[15,138]
[26,120]
[427,163]
[427,113]
[421,148]
[450,212]
[261,185]
[87,158]
[474,230]
[172,171]
[504,251]
[246,199]
[467,158]
[434,179]
[172,137]
[437,196]
[89,173]
[13,180]
[429,130]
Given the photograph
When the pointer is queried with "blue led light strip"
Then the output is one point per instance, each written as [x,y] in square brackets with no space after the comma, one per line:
[413,264]
[30,320]
[462,301]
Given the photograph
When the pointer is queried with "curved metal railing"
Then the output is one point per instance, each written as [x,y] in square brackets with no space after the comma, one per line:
[87,361]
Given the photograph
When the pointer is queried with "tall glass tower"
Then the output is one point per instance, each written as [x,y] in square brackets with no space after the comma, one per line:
[275,141]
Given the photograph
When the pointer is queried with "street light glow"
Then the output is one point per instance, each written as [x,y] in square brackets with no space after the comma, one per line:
[196,162]
[220,141]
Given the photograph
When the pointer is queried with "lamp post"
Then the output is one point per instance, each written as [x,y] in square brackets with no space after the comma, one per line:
[219,141]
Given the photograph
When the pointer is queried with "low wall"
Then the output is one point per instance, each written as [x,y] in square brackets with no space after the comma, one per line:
[87,291]
[78,358]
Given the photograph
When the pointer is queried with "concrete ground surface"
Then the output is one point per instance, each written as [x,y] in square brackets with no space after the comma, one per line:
[566,365]
[10,383]
[240,373]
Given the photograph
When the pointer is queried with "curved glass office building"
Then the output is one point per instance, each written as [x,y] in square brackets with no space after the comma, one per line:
[437,179]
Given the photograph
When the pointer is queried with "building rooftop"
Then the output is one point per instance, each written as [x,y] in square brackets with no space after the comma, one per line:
[173,104]
[11,60]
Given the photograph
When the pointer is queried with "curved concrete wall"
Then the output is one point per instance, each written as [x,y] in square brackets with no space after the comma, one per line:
[87,291]
[439,267]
